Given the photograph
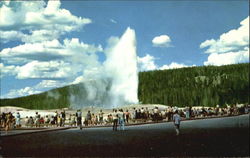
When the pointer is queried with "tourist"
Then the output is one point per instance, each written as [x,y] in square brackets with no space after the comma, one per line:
[110,119]
[121,118]
[53,121]
[127,114]
[72,120]
[46,120]
[3,120]
[41,121]
[59,121]
[37,118]
[156,114]
[93,119]
[79,118]
[187,113]
[142,113]
[88,118]
[63,116]
[147,114]
[18,120]
[115,120]
[136,115]
[31,121]
[55,118]
[190,111]
[100,117]
[8,121]
[177,121]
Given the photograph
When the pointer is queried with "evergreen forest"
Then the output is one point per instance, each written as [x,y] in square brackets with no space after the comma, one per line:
[191,86]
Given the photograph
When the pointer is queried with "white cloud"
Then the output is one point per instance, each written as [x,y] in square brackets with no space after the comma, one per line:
[146,63]
[231,41]
[228,58]
[232,47]
[49,50]
[39,25]
[49,84]
[174,65]
[51,69]
[40,87]
[161,41]
[42,21]
[51,58]
[20,92]
[12,35]
[7,70]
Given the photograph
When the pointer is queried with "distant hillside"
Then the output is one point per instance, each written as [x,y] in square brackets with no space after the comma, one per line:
[205,85]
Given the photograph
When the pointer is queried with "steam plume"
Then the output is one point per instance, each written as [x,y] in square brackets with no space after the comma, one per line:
[114,82]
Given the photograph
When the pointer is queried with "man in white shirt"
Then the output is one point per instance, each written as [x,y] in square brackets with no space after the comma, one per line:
[37,120]
[18,118]
[177,121]
[115,120]
[79,118]
[121,118]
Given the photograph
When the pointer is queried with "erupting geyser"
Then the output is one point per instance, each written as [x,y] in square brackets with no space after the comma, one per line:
[115,82]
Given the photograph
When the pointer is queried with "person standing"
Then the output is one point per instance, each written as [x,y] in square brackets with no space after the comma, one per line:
[18,118]
[63,117]
[121,118]
[37,120]
[177,121]
[187,113]
[55,118]
[88,118]
[127,114]
[79,118]
[3,120]
[8,121]
[115,120]
[101,117]
[46,120]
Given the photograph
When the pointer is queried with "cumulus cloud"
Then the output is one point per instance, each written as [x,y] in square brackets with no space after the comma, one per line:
[230,48]
[7,70]
[39,88]
[174,65]
[228,58]
[51,69]
[161,41]
[50,84]
[51,58]
[48,50]
[35,21]
[147,63]
[39,25]
[21,92]
[12,35]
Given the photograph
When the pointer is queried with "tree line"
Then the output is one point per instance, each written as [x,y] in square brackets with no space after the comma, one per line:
[191,86]
[196,86]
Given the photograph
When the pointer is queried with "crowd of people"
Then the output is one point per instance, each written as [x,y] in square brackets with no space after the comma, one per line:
[118,117]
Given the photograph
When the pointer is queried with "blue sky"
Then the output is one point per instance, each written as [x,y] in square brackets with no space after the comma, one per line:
[42,44]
